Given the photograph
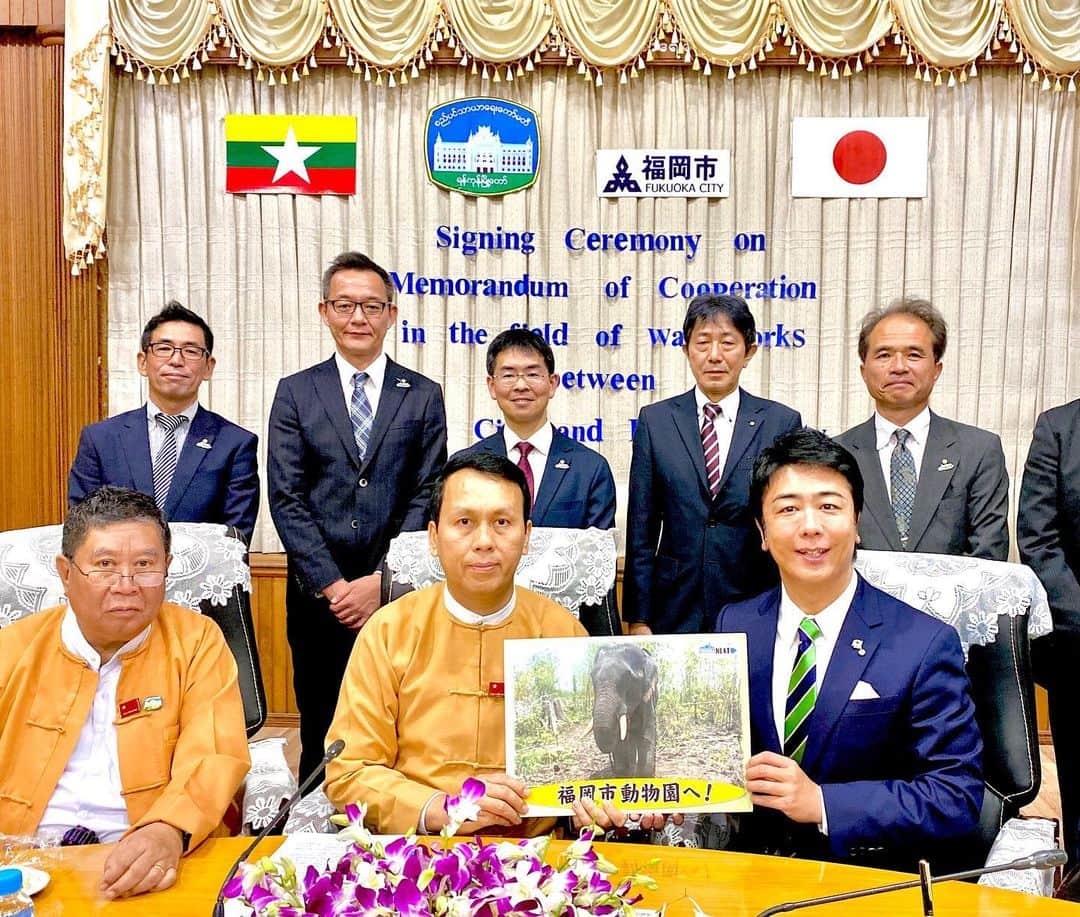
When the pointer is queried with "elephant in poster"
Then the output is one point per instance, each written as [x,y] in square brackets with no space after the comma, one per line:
[624,681]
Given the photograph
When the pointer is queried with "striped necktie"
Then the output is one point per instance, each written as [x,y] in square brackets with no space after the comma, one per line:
[711,444]
[360,414]
[902,483]
[166,458]
[802,692]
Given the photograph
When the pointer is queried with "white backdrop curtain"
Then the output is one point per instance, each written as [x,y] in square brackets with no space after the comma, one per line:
[995,245]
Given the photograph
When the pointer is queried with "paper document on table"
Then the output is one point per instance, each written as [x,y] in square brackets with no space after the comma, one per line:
[309,849]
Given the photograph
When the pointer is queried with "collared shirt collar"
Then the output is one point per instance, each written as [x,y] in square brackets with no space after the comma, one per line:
[376,371]
[471,618]
[152,411]
[540,440]
[76,643]
[729,404]
[830,619]
[918,427]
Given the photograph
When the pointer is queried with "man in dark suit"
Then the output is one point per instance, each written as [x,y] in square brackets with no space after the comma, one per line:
[355,443]
[690,541]
[199,466]
[1049,542]
[571,485]
[932,485]
[862,728]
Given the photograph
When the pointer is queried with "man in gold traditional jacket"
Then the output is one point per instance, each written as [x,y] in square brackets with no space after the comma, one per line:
[421,707]
[121,715]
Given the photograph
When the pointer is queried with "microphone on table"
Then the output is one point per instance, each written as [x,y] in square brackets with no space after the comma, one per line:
[332,752]
[1044,859]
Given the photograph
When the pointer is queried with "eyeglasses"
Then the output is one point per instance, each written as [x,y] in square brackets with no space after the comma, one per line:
[111,578]
[372,308]
[531,377]
[189,352]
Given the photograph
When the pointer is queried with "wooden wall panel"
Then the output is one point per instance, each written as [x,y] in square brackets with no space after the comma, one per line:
[31,12]
[51,324]
[268,614]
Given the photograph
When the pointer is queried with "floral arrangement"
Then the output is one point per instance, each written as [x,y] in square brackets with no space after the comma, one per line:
[459,880]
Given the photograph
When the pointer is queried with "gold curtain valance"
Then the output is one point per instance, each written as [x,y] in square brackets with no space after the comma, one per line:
[163,40]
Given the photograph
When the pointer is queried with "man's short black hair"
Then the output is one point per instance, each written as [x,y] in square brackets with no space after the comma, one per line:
[174,312]
[105,506]
[712,306]
[355,261]
[486,463]
[808,447]
[519,339]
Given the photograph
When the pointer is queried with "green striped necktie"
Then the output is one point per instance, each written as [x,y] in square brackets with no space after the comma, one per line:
[802,692]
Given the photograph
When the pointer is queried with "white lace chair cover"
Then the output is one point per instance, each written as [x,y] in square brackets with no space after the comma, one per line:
[268,784]
[206,564]
[311,815]
[970,593]
[1021,837]
[573,567]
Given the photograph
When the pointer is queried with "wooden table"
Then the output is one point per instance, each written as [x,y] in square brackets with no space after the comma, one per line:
[722,883]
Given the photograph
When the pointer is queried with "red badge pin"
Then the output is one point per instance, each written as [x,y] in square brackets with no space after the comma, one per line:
[129,707]
[496,689]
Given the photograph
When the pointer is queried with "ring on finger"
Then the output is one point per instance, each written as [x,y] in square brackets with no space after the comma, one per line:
[159,866]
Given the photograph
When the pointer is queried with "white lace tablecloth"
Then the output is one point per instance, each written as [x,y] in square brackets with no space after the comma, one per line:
[207,564]
[573,567]
[969,593]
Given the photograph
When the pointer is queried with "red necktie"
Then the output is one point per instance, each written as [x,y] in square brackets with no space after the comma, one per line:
[712,447]
[524,448]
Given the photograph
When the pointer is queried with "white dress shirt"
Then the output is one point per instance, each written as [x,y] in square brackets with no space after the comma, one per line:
[158,432]
[724,424]
[830,619]
[372,387]
[919,428]
[89,791]
[541,449]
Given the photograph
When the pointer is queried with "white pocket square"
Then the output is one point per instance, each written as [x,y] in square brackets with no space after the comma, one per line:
[864,691]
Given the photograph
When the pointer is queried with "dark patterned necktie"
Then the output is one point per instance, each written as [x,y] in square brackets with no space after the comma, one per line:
[360,414]
[711,445]
[902,483]
[524,448]
[166,458]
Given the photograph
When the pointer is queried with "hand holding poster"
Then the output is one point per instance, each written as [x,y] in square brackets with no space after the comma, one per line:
[653,724]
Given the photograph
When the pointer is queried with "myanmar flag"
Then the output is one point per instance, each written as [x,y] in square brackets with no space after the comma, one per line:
[291,154]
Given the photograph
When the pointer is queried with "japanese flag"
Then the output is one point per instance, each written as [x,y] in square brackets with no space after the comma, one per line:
[859,157]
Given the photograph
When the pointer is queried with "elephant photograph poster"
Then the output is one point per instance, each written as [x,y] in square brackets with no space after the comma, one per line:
[659,723]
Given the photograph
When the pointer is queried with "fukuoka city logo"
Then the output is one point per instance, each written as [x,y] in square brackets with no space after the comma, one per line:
[482,146]
[622,179]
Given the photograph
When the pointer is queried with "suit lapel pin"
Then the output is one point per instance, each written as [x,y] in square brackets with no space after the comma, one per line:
[945,465]
[203,443]
[562,465]
[858,647]
[403,383]
[153,703]
[753,423]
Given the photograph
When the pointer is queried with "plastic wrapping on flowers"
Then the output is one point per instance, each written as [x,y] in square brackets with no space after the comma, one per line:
[460,880]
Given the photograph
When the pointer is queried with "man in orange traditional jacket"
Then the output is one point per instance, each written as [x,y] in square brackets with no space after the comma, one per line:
[122,718]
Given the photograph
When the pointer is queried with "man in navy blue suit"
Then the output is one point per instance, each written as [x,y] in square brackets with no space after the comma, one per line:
[862,727]
[571,485]
[690,540]
[355,444]
[199,466]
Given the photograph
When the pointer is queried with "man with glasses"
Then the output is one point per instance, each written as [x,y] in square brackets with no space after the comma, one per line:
[122,717]
[197,465]
[570,485]
[355,444]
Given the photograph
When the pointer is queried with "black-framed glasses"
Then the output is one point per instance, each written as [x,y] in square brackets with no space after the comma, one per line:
[189,352]
[111,577]
[372,308]
[532,377]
